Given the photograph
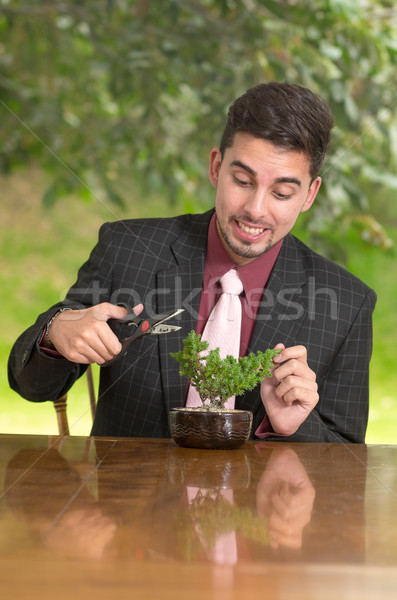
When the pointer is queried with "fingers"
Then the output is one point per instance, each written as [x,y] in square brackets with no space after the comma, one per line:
[294,352]
[293,362]
[291,510]
[294,367]
[293,378]
[84,336]
[97,344]
[93,345]
[297,388]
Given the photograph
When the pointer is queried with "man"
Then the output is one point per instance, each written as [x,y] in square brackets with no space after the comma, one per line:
[266,172]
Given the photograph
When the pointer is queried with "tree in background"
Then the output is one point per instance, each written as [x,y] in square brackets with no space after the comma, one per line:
[115,96]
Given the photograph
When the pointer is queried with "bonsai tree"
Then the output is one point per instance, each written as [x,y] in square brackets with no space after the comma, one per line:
[212,516]
[216,379]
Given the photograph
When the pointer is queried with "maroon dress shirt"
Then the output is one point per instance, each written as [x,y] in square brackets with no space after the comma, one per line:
[254,277]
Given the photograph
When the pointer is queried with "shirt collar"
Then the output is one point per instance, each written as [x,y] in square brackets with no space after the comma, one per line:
[253,275]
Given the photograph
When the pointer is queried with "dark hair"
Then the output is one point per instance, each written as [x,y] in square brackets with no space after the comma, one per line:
[289,116]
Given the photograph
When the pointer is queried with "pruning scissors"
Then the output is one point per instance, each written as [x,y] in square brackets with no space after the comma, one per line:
[140,327]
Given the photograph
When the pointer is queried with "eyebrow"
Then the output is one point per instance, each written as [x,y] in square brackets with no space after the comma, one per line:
[289,180]
[294,180]
[238,163]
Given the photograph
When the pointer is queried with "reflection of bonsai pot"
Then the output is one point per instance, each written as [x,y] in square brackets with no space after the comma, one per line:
[214,470]
[212,425]
[201,428]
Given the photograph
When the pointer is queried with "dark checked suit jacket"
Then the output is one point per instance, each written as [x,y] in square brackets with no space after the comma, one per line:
[308,300]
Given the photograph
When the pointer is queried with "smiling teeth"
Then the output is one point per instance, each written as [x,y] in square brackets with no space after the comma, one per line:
[251,230]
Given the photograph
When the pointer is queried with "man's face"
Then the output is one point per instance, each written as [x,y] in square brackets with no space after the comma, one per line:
[261,189]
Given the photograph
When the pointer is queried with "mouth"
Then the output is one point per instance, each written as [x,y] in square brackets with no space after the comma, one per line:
[250,232]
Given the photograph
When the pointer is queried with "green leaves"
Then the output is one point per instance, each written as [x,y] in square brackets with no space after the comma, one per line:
[134,94]
[215,379]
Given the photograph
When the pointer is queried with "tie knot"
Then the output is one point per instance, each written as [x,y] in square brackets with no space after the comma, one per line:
[231,283]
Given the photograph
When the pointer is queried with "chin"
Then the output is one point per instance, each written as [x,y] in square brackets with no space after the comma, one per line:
[250,251]
[243,249]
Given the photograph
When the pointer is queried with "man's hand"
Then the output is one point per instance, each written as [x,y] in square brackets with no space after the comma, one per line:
[291,393]
[83,336]
[81,533]
[285,496]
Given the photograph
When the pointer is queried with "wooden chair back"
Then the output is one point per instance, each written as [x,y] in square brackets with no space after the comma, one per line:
[60,405]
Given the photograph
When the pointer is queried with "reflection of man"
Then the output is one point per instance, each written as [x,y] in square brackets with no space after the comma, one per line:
[285,497]
[302,491]
[266,172]
[228,525]
[46,492]
[222,547]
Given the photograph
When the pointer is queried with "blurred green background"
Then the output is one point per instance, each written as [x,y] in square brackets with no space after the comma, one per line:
[111,113]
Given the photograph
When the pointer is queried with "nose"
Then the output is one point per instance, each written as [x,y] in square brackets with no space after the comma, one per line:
[257,205]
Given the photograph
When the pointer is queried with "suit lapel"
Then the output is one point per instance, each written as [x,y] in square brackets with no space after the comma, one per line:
[180,287]
[281,311]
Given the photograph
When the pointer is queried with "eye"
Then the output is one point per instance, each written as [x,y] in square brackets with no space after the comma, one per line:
[242,182]
[282,196]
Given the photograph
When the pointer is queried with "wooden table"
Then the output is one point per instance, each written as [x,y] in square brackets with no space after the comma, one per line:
[138,518]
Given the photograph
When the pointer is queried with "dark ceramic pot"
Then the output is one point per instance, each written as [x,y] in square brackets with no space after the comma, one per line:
[200,428]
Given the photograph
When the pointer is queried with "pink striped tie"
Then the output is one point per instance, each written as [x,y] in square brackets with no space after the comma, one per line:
[223,327]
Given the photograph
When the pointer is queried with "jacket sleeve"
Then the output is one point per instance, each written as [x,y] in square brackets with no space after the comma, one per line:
[341,415]
[37,376]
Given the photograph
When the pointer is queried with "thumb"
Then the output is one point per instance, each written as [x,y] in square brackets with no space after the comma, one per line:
[131,313]
[138,309]
[124,312]
[106,311]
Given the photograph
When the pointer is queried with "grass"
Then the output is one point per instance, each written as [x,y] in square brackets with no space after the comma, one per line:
[41,251]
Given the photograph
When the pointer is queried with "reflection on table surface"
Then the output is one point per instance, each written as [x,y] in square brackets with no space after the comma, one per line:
[150,518]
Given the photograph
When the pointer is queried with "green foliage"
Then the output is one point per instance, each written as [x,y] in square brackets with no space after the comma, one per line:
[133,94]
[216,380]
[213,516]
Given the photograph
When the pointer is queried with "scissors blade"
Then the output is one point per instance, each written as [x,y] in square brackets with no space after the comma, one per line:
[160,329]
[135,320]
[158,319]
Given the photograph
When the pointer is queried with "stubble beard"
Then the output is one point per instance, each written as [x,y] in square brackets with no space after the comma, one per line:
[245,249]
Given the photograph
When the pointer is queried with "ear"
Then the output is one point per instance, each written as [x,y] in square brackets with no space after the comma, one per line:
[312,193]
[214,166]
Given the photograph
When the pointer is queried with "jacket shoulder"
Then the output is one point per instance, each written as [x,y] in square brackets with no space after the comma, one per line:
[153,243]
[326,271]
[164,226]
